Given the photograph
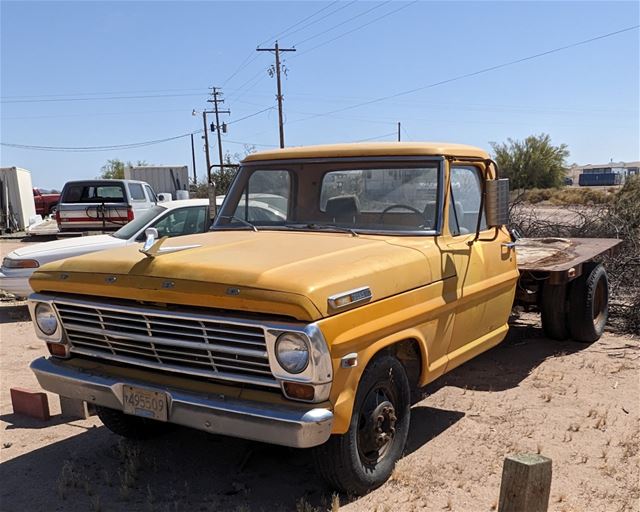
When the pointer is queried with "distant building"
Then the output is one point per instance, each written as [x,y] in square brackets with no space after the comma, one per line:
[618,172]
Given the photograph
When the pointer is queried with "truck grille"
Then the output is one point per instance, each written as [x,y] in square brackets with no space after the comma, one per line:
[178,342]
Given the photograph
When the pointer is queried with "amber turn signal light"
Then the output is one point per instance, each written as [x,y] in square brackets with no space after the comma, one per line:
[56,349]
[299,391]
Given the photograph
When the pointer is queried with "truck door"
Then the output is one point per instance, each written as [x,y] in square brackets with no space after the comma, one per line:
[485,269]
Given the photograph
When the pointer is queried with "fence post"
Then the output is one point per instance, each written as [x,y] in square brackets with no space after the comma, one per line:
[526,483]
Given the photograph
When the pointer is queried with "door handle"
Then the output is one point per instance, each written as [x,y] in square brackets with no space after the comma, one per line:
[509,245]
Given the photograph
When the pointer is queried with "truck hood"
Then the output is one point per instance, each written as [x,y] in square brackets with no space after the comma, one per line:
[286,273]
[50,251]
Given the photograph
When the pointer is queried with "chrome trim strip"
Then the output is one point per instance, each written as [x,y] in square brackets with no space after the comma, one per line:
[292,425]
[331,300]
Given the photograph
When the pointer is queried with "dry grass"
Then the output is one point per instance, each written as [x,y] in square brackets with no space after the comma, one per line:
[569,196]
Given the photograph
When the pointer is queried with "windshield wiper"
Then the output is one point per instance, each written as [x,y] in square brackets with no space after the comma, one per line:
[241,221]
[320,227]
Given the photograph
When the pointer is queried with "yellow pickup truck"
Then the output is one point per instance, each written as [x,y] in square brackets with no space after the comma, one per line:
[375,269]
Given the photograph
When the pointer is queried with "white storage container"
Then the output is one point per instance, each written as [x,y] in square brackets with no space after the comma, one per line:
[16,199]
[162,178]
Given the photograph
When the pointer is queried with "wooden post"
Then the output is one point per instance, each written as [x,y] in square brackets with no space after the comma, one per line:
[526,483]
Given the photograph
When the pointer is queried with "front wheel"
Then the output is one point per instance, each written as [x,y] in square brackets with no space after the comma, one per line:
[364,457]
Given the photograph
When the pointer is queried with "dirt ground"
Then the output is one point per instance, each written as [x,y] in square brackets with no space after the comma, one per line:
[577,404]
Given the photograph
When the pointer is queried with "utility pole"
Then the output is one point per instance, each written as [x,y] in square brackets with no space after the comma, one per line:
[398,131]
[206,145]
[216,101]
[193,161]
[277,51]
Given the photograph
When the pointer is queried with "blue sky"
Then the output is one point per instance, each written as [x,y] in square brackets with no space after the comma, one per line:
[586,96]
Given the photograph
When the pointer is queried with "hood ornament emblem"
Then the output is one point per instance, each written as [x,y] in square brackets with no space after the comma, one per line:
[152,247]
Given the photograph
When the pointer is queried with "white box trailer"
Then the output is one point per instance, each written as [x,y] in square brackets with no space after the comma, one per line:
[17,207]
[172,179]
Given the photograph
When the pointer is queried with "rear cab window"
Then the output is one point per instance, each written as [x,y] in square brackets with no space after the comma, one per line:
[93,192]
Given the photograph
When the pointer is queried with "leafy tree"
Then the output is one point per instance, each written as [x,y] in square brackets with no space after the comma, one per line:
[114,169]
[532,163]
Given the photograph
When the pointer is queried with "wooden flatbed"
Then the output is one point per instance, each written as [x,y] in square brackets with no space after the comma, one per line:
[559,260]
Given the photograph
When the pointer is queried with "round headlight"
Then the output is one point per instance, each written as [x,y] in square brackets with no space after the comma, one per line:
[292,352]
[46,319]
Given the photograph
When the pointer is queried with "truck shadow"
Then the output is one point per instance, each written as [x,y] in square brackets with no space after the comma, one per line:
[505,366]
[186,470]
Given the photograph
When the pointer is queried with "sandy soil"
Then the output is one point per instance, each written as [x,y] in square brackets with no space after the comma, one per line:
[575,403]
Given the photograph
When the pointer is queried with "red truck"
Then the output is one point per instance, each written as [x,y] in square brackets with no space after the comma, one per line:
[46,203]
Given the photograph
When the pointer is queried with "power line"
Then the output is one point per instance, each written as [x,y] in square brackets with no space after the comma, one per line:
[468,75]
[132,145]
[252,56]
[60,95]
[347,4]
[111,147]
[377,137]
[250,143]
[61,100]
[285,31]
[299,43]
[358,28]
[250,115]
[92,114]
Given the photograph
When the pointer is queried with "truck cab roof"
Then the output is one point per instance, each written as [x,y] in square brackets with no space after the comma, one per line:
[378,149]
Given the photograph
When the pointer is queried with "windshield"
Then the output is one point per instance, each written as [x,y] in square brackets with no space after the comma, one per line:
[322,195]
[132,228]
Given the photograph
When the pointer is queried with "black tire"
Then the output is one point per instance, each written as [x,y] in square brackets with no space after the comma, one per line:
[553,311]
[343,461]
[53,209]
[131,427]
[589,303]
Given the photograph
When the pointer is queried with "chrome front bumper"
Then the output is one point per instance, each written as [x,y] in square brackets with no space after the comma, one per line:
[287,425]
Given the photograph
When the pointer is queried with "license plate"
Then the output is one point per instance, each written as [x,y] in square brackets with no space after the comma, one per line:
[145,403]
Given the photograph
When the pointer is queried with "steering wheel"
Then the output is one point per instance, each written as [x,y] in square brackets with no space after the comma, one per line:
[405,206]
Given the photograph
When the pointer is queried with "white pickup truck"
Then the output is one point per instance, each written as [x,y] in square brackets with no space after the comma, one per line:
[102,205]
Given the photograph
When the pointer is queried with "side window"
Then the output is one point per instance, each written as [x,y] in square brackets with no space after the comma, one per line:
[183,221]
[151,194]
[137,194]
[266,198]
[464,205]
[173,224]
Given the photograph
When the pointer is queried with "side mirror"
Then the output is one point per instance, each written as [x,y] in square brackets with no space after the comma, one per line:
[152,236]
[497,201]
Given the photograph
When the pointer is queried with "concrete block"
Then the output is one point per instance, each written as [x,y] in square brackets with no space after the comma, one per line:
[75,409]
[34,404]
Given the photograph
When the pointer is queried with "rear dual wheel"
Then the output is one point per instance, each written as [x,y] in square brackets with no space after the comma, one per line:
[578,310]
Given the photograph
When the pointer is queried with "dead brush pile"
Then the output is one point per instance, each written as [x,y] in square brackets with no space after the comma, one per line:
[617,218]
